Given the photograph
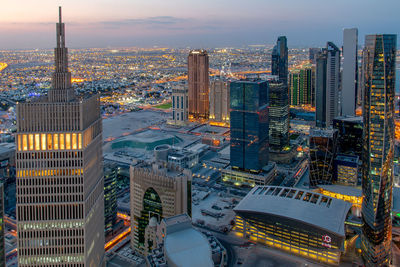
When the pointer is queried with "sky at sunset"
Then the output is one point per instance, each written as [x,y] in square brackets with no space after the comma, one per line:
[182,23]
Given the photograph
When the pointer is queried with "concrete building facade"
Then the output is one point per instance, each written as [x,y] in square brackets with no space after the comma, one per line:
[219,102]
[158,190]
[350,72]
[60,205]
[180,105]
[198,80]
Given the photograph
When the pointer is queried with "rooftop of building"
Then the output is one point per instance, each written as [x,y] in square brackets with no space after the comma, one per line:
[188,245]
[322,132]
[348,158]
[298,205]
[348,118]
[167,169]
[343,190]
[7,147]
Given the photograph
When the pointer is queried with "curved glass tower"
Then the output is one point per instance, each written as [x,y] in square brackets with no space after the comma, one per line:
[378,147]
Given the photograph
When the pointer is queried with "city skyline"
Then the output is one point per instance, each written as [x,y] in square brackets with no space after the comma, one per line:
[26,25]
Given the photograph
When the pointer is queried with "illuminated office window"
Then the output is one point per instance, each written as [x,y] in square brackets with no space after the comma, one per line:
[19,142]
[55,137]
[24,142]
[43,141]
[62,141]
[30,139]
[49,142]
[74,141]
[37,141]
[67,141]
[80,141]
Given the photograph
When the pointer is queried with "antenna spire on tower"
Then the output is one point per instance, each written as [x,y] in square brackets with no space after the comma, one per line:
[59,14]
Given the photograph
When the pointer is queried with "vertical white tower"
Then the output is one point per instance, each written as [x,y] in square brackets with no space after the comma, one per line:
[60,198]
[350,69]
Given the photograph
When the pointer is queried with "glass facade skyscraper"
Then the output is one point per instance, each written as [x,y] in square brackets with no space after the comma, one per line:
[278,116]
[249,124]
[302,86]
[279,59]
[110,196]
[378,148]
[350,139]
[322,154]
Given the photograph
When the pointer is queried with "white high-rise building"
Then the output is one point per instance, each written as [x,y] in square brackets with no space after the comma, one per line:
[327,84]
[350,68]
[60,191]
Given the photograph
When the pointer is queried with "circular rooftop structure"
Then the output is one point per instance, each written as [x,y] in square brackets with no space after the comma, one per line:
[148,140]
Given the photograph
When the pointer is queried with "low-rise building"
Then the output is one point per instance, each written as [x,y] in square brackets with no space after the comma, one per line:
[300,222]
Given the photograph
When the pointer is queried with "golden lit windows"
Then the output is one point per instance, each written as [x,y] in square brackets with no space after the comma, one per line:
[24,142]
[37,141]
[43,141]
[62,142]
[67,141]
[49,142]
[30,139]
[56,141]
[74,141]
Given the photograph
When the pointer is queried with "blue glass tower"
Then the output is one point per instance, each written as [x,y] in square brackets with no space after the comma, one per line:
[279,59]
[249,125]
[378,148]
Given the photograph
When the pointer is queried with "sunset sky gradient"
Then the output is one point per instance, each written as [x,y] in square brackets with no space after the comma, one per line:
[181,23]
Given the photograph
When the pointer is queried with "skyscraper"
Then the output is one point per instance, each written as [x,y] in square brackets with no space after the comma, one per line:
[322,155]
[158,190]
[180,104]
[279,60]
[110,196]
[2,245]
[60,205]
[378,149]
[350,135]
[219,102]
[278,116]
[350,72]
[312,54]
[198,79]
[327,85]
[249,125]
[302,86]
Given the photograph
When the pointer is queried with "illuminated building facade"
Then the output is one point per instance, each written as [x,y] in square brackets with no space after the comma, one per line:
[302,86]
[110,196]
[350,135]
[249,125]
[346,170]
[198,80]
[279,59]
[219,102]
[158,190]
[60,205]
[248,179]
[378,148]
[278,116]
[299,222]
[322,154]
[327,84]
[180,104]
[350,72]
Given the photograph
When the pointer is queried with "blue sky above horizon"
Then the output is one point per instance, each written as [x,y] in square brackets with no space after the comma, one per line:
[202,23]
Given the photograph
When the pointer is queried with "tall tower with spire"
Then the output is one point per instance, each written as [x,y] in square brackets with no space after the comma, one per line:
[60,192]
